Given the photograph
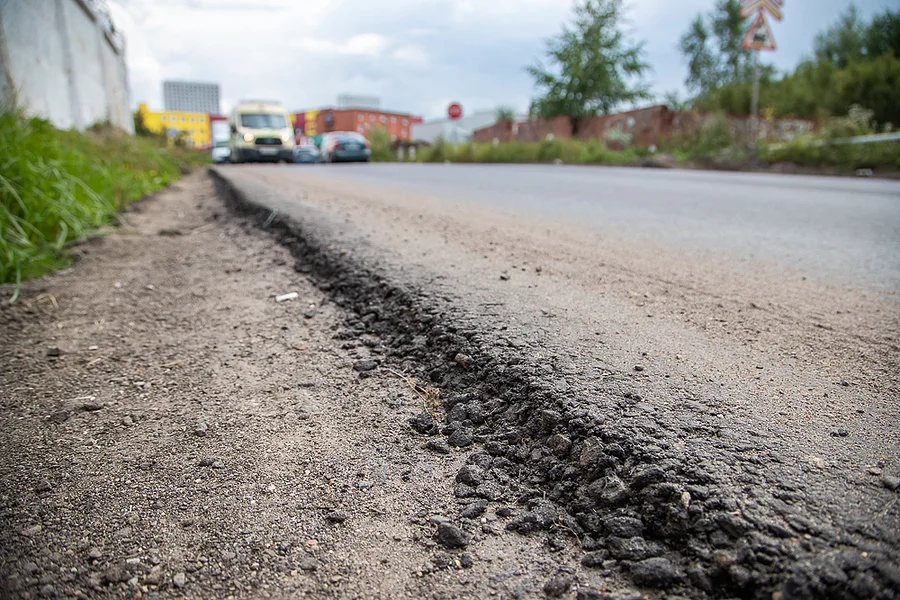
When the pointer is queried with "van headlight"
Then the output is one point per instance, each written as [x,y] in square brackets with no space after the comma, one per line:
[285,137]
[248,137]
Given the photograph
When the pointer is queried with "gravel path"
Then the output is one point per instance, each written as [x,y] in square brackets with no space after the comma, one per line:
[170,430]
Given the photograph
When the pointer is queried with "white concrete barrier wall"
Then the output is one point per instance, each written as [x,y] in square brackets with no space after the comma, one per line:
[57,62]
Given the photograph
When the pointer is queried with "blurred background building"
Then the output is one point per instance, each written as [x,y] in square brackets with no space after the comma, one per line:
[191,96]
[454,131]
[193,127]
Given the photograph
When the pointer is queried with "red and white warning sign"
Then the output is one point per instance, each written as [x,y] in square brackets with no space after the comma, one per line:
[759,35]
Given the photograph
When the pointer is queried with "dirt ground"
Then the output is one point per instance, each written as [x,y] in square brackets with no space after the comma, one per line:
[170,430]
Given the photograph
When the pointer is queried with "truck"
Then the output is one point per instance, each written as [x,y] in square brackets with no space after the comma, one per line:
[261,131]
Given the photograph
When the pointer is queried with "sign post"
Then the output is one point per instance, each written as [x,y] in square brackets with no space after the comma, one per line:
[455,112]
[759,37]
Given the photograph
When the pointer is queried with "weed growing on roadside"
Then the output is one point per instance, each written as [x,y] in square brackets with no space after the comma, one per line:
[57,186]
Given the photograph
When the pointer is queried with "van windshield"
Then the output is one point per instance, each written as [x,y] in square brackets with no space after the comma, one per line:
[263,121]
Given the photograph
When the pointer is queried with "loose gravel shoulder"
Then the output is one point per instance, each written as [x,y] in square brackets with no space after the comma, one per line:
[170,430]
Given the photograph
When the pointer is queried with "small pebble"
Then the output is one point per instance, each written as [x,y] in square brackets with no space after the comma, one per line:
[890,482]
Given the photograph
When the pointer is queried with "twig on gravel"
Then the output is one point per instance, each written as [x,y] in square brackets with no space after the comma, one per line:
[94,362]
[171,364]
[430,396]
[203,228]
[44,298]
[300,348]
[562,525]
[887,508]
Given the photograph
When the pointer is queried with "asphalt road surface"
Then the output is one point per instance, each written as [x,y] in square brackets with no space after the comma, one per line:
[727,337]
[821,226]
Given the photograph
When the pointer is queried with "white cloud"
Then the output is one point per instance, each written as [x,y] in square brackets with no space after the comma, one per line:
[369,44]
[410,53]
[366,44]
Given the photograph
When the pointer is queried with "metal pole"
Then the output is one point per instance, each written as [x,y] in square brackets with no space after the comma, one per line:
[754,100]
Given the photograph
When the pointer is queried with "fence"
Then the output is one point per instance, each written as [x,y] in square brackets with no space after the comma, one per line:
[641,127]
[61,61]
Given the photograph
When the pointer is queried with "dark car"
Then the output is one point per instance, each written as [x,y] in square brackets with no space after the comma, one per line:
[306,153]
[345,146]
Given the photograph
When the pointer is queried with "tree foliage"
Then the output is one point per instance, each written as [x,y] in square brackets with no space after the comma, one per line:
[853,63]
[843,42]
[712,48]
[505,113]
[594,67]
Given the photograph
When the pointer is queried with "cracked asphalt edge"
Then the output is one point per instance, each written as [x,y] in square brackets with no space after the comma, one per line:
[665,519]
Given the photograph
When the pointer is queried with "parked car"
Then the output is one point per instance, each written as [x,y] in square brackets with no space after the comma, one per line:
[345,146]
[306,153]
[221,152]
[261,131]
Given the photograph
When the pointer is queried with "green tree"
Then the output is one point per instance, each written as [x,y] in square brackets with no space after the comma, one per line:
[505,113]
[872,84]
[883,35]
[673,101]
[594,67]
[843,42]
[712,47]
[703,64]
[382,145]
[729,28]
[140,124]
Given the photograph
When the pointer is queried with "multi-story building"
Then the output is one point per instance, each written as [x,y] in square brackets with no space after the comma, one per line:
[189,96]
[363,120]
[172,122]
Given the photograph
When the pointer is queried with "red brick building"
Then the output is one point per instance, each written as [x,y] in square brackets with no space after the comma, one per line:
[361,120]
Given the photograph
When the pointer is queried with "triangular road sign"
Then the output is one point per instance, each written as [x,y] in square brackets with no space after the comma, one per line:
[752,6]
[759,35]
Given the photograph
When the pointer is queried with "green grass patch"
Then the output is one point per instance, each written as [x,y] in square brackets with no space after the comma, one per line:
[57,186]
[569,151]
[818,152]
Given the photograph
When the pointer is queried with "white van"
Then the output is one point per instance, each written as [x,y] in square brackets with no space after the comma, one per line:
[261,131]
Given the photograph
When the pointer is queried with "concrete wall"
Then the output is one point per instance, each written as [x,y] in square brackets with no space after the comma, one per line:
[58,62]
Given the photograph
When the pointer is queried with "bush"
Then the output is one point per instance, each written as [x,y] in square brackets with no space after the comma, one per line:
[565,149]
[711,136]
[57,186]
[858,121]
[570,151]
[514,152]
[381,142]
[439,151]
[846,156]
[597,152]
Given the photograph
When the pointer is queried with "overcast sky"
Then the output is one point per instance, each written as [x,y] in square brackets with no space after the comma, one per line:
[416,55]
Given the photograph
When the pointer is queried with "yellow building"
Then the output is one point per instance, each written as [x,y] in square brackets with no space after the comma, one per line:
[194,124]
